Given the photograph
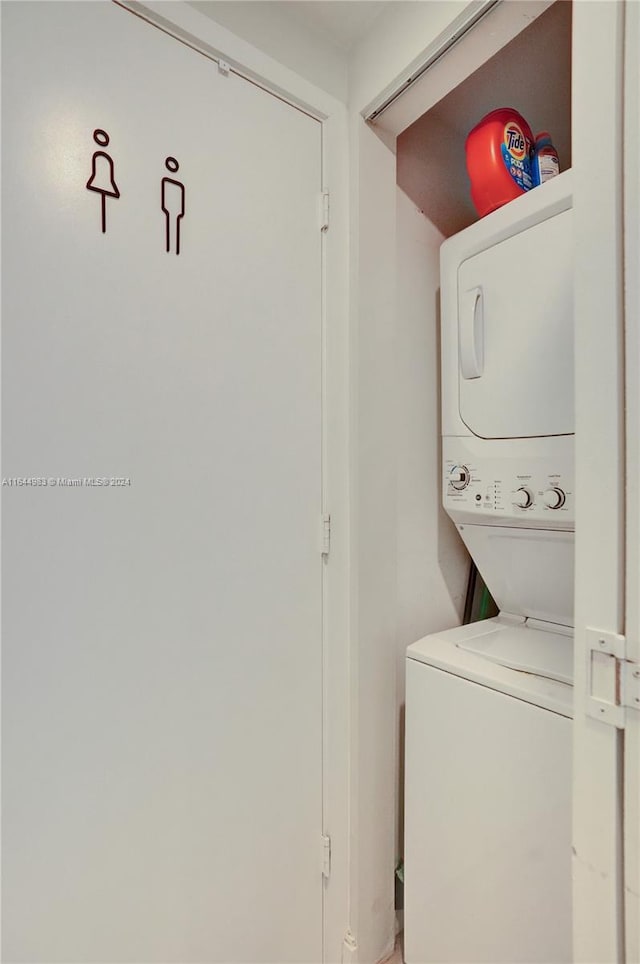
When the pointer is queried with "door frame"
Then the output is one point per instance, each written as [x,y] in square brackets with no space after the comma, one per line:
[234,54]
[631,201]
[598,32]
[597,85]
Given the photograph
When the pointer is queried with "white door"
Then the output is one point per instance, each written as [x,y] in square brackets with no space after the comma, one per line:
[162,634]
[505,295]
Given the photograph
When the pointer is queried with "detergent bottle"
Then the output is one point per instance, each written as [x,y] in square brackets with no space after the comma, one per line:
[545,159]
[498,155]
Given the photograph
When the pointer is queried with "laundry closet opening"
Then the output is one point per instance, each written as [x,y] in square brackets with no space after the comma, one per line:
[531,72]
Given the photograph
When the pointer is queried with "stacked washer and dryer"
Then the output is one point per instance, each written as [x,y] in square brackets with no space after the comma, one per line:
[489,705]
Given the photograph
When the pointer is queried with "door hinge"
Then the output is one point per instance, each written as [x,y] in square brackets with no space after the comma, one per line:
[349,948]
[324,211]
[613,681]
[326,856]
[325,534]
[223,68]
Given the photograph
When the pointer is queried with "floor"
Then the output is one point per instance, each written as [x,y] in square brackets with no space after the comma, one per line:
[396,957]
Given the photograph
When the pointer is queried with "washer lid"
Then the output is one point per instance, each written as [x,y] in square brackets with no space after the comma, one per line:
[529,572]
[508,655]
[526,650]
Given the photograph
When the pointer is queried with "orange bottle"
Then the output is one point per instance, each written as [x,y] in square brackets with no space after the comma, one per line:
[498,154]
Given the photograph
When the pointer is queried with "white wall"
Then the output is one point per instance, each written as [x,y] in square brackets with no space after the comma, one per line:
[432,561]
[373,545]
[390,601]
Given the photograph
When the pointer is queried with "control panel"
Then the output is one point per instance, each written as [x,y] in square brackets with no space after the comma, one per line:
[518,491]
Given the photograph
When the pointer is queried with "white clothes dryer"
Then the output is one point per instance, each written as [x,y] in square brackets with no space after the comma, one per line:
[507,398]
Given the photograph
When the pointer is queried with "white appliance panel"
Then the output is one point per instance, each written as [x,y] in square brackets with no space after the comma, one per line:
[529,571]
[545,654]
[514,253]
[487,652]
[487,825]
[515,327]
[496,484]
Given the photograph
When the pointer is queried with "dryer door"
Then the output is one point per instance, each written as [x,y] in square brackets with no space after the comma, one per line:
[515,329]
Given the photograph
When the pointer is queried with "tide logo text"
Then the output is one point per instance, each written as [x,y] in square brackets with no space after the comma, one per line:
[515,141]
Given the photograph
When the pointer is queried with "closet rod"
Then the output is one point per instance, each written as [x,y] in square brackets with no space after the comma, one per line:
[461,26]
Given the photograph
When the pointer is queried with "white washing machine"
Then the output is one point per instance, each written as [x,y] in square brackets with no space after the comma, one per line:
[488,724]
[488,801]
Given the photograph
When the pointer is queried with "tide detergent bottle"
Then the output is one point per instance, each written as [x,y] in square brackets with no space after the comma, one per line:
[498,154]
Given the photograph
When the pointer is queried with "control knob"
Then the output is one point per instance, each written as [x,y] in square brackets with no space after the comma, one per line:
[523,498]
[460,477]
[554,498]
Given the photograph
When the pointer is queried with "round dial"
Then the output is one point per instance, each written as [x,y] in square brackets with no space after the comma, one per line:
[554,498]
[523,498]
[460,476]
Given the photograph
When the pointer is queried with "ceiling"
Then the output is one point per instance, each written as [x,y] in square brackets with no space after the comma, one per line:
[343,22]
[340,23]
[314,38]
